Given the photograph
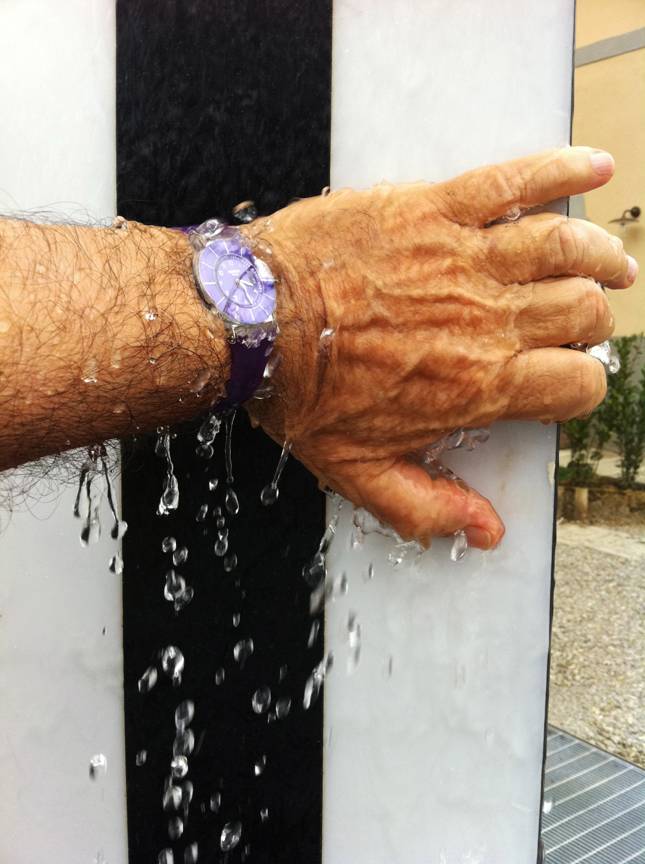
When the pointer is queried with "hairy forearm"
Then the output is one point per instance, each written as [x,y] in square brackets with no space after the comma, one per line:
[102,334]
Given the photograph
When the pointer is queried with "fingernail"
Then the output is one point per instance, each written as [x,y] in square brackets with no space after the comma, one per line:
[632,269]
[479,538]
[602,163]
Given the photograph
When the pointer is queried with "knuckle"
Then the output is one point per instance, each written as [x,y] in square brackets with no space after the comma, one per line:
[596,306]
[569,245]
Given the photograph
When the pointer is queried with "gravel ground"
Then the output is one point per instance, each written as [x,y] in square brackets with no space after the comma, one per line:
[597,689]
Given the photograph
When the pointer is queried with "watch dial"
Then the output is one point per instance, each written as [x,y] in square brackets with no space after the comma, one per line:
[238,284]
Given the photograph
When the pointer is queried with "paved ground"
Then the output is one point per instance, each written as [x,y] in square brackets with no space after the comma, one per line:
[597,689]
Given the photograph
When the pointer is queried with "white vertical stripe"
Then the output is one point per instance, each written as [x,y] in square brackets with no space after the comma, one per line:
[442,761]
[60,677]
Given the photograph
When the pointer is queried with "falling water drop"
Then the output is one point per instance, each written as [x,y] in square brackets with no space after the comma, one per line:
[116,564]
[271,493]
[179,767]
[175,827]
[169,500]
[184,713]
[172,795]
[221,545]
[230,836]
[243,650]
[236,619]
[213,484]
[315,681]
[231,502]
[191,854]
[202,513]
[141,758]
[547,806]
[261,700]
[165,857]
[172,663]
[148,680]
[313,633]
[179,556]
[98,766]
[184,743]
[168,544]
[220,675]
[459,546]
[229,420]
[282,707]
[215,802]
[230,563]
[353,642]
[259,765]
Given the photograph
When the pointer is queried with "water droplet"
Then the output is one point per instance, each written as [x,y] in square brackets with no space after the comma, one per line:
[119,529]
[547,806]
[215,802]
[282,674]
[221,546]
[204,451]
[141,758]
[168,544]
[175,827]
[213,484]
[459,546]
[269,495]
[184,743]
[148,680]
[316,680]
[243,650]
[170,491]
[202,513]
[179,556]
[201,380]
[261,700]
[370,572]
[220,675]
[184,598]
[165,857]
[116,564]
[172,795]
[98,766]
[313,633]
[282,707]
[353,642]
[172,663]
[150,315]
[229,420]
[91,371]
[184,713]
[230,563]
[245,212]
[236,619]
[174,586]
[179,767]
[191,854]
[231,502]
[259,765]
[230,836]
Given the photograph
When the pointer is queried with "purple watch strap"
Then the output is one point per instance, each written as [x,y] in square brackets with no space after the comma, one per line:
[247,370]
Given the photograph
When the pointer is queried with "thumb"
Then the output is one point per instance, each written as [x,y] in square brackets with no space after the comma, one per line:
[420,507]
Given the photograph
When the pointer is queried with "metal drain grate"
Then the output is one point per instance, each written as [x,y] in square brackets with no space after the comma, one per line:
[594,805]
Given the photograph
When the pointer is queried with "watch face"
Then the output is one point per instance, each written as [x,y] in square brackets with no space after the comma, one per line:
[239,285]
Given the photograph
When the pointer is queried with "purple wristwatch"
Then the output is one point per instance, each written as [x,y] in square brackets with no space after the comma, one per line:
[241,289]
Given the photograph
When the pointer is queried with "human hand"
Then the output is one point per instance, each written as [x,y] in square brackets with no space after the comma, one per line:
[435,318]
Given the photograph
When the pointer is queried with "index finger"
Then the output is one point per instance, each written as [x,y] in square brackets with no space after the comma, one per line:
[487,193]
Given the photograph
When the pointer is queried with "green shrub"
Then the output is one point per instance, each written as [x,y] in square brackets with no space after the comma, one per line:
[620,418]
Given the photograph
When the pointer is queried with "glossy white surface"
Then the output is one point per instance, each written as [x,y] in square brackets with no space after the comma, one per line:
[440,761]
[61,687]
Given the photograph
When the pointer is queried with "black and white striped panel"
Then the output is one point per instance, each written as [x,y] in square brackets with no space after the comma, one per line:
[432,750]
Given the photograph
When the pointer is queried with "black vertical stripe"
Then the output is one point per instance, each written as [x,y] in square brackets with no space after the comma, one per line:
[218,102]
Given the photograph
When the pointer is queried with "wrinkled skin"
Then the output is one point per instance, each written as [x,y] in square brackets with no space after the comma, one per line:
[441,319]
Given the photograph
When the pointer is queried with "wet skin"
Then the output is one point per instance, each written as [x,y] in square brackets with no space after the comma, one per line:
[442,316]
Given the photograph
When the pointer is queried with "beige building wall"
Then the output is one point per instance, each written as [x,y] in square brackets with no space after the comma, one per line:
[609,112]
